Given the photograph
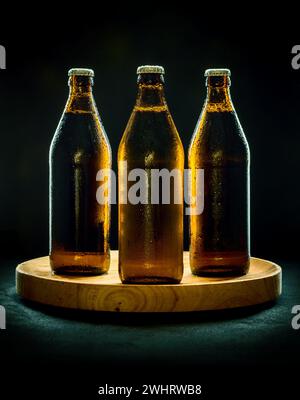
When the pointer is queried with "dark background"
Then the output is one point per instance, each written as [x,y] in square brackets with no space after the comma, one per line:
[239,349]
[265,91]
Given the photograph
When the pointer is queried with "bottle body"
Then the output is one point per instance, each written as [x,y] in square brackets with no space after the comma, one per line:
[79,225]
[151,232]
[219,236]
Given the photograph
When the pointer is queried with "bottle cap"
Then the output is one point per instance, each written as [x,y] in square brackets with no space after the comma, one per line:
[150,69]
[81,72]
[217,72]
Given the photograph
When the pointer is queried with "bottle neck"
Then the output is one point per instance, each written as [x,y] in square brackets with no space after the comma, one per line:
[218,94]
[151,92]
[81,98]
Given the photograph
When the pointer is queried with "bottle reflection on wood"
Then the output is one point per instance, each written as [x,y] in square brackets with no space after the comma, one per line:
[219,237]
[79,225]
[151,233]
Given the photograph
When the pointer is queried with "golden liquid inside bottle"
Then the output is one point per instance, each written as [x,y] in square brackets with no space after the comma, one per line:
[151,235]
[79,225]
[219,236]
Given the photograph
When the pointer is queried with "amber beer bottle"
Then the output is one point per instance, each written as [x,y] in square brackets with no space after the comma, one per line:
[151,230]
[219,236]
[79,225]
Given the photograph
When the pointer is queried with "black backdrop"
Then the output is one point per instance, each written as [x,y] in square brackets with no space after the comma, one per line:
[42,43]
[42,46]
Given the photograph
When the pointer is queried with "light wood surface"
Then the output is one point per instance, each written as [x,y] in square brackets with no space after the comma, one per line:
[34,281]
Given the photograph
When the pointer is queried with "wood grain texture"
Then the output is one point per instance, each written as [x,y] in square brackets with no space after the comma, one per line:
[34,281]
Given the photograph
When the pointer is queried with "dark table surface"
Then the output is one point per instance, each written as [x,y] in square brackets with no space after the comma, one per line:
[258,338]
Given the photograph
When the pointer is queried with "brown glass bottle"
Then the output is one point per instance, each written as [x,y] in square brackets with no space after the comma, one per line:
[219,236]
[79,225]
[151,235]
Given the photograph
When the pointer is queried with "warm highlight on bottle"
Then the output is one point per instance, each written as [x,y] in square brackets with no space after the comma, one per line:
[219,236]
[79,225]
[151,235]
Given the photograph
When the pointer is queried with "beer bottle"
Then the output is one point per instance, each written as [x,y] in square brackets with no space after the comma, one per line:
[219,236]
[151,226]
[79,225]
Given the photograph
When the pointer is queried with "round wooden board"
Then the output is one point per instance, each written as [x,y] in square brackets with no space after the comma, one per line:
[35,282]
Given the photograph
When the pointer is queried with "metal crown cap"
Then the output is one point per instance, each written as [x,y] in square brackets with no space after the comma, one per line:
[217,72]
[81,72]
[150,69]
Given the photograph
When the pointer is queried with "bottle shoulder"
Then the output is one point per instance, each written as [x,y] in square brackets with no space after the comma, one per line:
[77,132]
[151,138]
[150,130]
[83,128]
[219,137]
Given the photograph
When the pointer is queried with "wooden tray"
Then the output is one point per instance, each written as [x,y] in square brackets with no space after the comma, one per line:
[34,281]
